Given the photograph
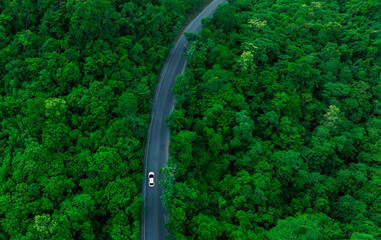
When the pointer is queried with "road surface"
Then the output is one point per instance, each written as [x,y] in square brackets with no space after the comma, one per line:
[155,216]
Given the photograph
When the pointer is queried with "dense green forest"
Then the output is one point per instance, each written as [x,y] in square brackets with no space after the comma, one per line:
[76,85]
[276,133]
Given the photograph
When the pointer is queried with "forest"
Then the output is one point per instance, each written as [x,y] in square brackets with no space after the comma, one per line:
[77,79]
[276,132]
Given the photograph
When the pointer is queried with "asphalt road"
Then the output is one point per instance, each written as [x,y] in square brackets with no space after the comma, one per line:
[155,216]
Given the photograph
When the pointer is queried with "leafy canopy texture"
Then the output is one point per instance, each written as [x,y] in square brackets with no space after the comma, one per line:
[276,131]
[76,82]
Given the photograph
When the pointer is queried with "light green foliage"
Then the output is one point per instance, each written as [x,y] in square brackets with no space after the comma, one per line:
[55,109]
[256,24]
[332,116]
[246,61]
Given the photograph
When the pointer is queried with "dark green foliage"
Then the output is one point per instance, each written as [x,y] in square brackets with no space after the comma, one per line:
[276,131]
[76,82]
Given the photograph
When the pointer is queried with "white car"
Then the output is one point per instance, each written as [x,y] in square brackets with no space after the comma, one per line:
[151,177]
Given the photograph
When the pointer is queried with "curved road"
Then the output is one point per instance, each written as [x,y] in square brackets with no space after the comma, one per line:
[155,216]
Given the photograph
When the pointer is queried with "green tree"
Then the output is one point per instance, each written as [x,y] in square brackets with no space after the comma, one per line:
[207,227]
[105,163]
[348,207]
[306,227]
[127,104]
[79,211]
[120,194]
[182,146]
[55,138]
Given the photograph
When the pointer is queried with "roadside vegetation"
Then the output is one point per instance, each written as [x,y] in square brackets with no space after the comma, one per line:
[77,80]
[276,132]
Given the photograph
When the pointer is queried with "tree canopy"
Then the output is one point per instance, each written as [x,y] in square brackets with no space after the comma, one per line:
[77,78]
[276,129]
